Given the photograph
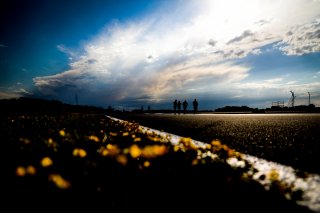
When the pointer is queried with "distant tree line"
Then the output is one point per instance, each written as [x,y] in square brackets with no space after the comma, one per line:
[234,109]
[300,108]
[37,105]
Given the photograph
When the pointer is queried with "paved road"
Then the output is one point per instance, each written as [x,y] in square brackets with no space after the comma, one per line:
[290,139]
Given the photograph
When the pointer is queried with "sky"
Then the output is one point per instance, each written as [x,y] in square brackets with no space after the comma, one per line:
[128,54]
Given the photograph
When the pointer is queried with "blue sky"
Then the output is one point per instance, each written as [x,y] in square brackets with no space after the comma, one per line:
[131,53]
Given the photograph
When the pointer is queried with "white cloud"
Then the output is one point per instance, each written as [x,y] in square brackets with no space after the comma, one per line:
[23,92]
[8,95]
[62,48]
[274,80]
[188,52]
[14,92]
[256,52]
[302,39]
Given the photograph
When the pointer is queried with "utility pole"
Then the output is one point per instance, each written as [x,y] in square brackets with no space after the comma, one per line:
[309,98]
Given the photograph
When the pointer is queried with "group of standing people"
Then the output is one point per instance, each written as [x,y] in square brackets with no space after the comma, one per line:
[177,106]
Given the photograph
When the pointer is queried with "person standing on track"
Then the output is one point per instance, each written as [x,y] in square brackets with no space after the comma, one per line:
[179,107]
[175,106]
[185,105]
[195,106]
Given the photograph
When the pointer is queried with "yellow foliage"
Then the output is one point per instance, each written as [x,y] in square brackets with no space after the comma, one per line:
[273,175]
[62,133]
[137,140]
[94,138]
[114,134]
[104,152]
[152,151]
[20,171]
[146,164]
[79,153]
[122,159]
[216,143]
[195,162]
[113,149]
[135,151]
[31,170]
[59,181]
[125,134]
[50,141]
[46,161]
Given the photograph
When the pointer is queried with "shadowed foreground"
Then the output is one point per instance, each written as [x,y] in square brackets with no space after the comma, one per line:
[87,160]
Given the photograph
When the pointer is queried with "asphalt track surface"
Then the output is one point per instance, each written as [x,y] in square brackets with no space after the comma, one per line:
[289,139]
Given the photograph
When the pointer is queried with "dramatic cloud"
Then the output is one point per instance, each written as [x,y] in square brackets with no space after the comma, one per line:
[193,52]
[244,35]
[302,39]
[212,42]
[14,91]
[9,95]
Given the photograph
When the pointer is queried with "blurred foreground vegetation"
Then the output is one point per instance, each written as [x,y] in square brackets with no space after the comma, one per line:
[90,154]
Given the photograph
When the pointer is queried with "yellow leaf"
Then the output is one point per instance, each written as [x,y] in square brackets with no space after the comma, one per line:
[146,164]
[46,161]
[31,170]
[122,159]
[216,143]
[135,151]
[77,152]
[94,138]
[273,175]
[113,134]
[20,171]
[125,134]
[82,153]
[137,140]
[59,181]
[62,133]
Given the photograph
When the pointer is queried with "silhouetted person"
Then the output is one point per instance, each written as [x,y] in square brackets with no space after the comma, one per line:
[179,107]
[195,106]
[141,108]
[148,108]
[175,103]
[185,105]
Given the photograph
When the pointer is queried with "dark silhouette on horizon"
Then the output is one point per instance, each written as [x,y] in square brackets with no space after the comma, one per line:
[195,106]
[175,106]
[179,107]
[185,105]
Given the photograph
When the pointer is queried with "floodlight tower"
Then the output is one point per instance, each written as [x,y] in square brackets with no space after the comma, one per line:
[309,98]
[292,98]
